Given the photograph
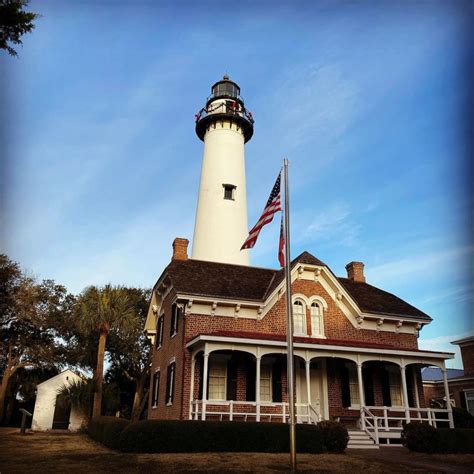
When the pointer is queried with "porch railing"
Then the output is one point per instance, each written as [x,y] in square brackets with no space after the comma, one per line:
[376,419]
[262,411]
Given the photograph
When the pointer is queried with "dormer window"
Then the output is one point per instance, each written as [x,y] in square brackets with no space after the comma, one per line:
[229,191]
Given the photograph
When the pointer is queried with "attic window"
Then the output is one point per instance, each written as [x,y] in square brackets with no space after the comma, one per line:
[229,191]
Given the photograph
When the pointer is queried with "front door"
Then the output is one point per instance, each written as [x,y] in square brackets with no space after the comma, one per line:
[316,388]
[62,412]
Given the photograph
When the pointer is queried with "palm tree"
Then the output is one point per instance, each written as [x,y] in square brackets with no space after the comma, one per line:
[103,310]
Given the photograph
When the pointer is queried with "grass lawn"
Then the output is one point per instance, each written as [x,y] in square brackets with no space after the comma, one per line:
[70,453]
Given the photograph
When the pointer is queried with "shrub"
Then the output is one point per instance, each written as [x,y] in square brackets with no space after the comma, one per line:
[462,418]
[458,440]
[107,430]
[334,435]
[420,437]
[171,436]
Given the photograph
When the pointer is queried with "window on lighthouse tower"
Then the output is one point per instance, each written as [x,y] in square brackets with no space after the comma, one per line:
[229,191]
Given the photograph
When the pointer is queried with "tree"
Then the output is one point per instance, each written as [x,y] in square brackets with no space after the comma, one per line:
[30,318]
[129,353]
[14,23]
[103,310]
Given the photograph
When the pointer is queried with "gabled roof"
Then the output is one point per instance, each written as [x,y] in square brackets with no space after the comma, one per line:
[223,280]
[374,300]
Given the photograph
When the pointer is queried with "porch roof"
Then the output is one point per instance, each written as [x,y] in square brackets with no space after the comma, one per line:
[307,343]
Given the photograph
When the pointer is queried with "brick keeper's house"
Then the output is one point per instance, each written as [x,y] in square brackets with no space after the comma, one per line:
[218,325]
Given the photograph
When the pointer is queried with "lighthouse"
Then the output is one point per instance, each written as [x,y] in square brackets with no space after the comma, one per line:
[224,125]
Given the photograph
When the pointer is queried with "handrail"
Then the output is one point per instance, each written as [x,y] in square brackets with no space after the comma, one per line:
[371,422]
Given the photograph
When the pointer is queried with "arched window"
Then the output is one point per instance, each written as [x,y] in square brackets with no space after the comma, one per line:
[299,318]
[317,328]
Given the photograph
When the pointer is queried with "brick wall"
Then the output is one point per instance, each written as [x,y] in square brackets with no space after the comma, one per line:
[336,326]
[467,355]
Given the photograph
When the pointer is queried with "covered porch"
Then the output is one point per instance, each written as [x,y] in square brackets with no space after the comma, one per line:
[374,390]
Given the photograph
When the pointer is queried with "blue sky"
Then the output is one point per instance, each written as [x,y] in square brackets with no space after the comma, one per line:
[369,100]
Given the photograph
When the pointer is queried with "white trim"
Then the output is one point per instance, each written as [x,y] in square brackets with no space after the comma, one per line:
[323,347]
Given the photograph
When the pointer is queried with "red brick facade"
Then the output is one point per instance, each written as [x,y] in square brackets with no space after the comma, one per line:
[336,326]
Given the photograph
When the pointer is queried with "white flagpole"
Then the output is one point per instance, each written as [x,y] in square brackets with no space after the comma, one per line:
[289,327]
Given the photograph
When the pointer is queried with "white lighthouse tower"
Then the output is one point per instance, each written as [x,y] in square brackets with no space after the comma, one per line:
[224,125]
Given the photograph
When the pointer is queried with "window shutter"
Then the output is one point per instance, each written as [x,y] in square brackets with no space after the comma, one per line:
[387,399]
[462,397]
[173,319]
[232,379]
[345,389]
[276,381]
[368,386]
[410,387]
[251,374]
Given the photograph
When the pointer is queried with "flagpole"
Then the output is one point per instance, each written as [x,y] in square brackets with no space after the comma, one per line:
[289,332]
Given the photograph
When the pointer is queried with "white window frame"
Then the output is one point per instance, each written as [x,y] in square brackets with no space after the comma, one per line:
[320,316]
[353,385]
[175,313]
[156,387]
[170,388]
[298,302]
[269,380]
[213,363]
[469,397]
[160,331]
[395,389]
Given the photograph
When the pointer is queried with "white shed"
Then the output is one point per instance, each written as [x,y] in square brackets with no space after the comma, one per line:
[51,412]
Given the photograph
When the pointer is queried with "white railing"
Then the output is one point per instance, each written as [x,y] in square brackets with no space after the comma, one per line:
[237,410]
[376,419]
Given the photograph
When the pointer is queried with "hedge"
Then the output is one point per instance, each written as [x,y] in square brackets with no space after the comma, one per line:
[423,438]
[171,436]
[107,429]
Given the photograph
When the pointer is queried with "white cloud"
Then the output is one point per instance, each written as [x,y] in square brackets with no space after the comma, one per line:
[443,344]
[414,266]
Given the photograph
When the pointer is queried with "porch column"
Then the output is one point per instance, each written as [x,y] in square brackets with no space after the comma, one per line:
[308,386]
[191,393]
[257,388]
[204,385]
[361,395]
[448,401]
[405,392]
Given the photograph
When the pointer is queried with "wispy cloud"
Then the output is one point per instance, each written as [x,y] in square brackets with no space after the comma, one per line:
[416,265]
[443,344]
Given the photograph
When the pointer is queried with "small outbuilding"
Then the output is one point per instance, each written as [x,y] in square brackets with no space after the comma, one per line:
[51,411]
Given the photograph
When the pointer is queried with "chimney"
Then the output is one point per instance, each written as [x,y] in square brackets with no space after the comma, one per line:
[180,249]
[355,271]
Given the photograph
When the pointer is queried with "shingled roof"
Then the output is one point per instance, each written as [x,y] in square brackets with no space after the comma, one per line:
[222,280]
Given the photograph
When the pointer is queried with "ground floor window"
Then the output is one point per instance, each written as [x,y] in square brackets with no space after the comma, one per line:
[470,401]
[170,383]
[353,385]
[266,383]
[217,379]
[395,380]
[155,389]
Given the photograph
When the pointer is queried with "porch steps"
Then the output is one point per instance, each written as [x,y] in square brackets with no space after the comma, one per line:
[359,439]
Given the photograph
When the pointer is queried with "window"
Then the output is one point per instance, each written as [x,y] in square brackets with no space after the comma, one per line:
[316,320]
[155,389]
[470,401]
[353,385]
[170,383]
[266,383]
[229,191]
[175,311]
[159,331]
[217,379]
[395,381]
[299,318]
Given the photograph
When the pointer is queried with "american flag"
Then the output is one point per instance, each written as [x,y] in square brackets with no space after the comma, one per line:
[273,205]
